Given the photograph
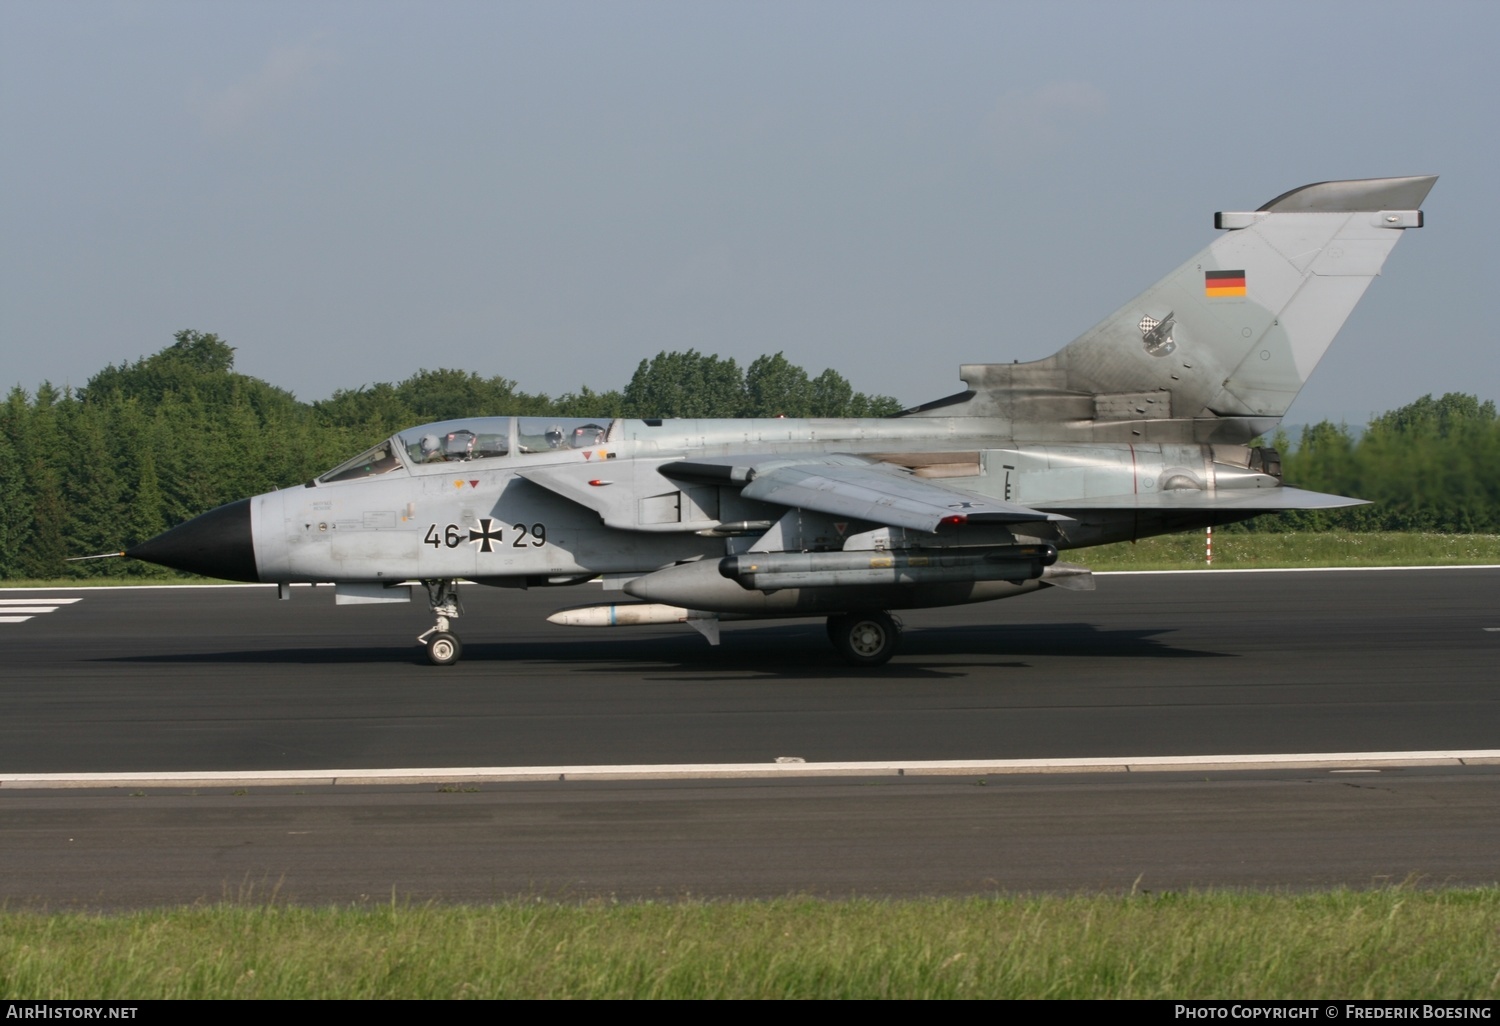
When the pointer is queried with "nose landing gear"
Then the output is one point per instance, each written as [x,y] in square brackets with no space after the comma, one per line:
[443,646]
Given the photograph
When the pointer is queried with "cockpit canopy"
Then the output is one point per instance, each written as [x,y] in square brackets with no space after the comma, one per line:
[472,438]
[449,441]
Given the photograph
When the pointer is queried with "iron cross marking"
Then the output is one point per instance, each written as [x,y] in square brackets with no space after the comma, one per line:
[486,534]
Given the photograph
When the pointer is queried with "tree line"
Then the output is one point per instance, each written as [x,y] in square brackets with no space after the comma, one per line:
[149,444]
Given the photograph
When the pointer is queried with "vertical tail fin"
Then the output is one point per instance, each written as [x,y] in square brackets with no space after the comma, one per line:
[1234,332]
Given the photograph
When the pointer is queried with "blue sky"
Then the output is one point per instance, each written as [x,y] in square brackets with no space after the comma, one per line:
[348,192]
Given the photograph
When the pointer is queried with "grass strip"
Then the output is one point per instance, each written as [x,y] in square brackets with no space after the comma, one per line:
[1243,550]
[1385,944]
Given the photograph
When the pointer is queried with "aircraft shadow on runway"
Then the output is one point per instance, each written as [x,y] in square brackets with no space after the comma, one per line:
[779,650]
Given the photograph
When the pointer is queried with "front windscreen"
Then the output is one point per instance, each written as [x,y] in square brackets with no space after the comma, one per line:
[381,459]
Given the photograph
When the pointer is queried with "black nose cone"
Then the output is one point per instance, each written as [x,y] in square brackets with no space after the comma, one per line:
[217,544]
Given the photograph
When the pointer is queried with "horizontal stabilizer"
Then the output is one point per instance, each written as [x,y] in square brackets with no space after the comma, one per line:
[1263,500]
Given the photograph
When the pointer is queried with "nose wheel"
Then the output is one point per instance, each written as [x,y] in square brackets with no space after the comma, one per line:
[443,646]
[864,637]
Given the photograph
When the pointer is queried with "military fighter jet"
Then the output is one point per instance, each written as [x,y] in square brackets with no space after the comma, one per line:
[1138,427]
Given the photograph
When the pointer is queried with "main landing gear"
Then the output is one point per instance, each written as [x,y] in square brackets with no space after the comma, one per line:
[443,646]
[866,637]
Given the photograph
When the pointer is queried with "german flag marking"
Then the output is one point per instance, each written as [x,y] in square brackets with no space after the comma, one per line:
[1223,283]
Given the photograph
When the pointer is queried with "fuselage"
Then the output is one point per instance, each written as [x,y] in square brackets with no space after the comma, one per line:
[478,512]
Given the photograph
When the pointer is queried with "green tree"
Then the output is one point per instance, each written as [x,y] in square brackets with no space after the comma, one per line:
[1434,464]
[145,518]
[774,387]
[685,385]
[46,548]
[93,492]
[587,403]
[445,394]
[370,410]
[194,362]
[863,405]
[831,395]
[14,508]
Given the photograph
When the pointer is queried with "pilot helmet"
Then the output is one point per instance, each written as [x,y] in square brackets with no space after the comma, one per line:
[555,436]
[430,445]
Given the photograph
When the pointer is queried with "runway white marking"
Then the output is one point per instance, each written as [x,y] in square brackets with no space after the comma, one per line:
[1326,762]
[145,587]
[12,608]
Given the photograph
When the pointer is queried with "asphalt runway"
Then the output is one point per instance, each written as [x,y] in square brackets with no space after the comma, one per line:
[232,679]
[894,837]
[1172,665]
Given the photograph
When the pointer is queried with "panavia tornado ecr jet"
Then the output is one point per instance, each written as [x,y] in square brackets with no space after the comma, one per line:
[1138,427]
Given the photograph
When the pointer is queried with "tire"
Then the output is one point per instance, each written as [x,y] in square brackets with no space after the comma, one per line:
[444,649]
[867,638]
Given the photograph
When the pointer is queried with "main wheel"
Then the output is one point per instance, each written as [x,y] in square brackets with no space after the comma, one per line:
[866,638]
[444,649]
